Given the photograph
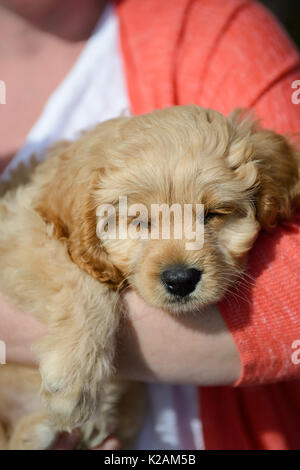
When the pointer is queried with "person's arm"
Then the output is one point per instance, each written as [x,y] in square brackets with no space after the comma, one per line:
[195,348]
[153,345]
[18,331]
[265,321]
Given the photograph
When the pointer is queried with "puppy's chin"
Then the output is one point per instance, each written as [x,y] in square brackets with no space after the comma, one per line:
[188,304]
[181,306]
[177,305]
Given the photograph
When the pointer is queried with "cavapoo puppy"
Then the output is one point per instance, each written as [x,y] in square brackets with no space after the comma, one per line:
[56,267]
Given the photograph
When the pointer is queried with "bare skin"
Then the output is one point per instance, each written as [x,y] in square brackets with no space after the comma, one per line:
[34,59]
[197,349]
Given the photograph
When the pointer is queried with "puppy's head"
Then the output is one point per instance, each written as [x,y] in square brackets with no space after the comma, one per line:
[243,177]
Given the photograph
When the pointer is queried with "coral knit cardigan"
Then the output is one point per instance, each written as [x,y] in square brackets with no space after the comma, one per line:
[223,54]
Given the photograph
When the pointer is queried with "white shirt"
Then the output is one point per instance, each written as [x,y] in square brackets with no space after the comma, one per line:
[94,91]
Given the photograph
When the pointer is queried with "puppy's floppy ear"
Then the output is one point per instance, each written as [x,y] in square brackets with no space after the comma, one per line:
[278,166]
[86,249]
[275,166]
[66,201]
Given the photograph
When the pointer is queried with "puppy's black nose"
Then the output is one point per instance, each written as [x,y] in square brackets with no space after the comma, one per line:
[180,280]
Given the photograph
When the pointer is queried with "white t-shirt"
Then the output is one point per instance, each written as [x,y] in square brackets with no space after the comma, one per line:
[94,91]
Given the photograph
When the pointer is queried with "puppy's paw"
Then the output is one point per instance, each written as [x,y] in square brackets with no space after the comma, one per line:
[70,409]
[33,432]
[71,395]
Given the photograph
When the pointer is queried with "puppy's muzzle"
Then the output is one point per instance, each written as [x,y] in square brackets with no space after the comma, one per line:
[180,281]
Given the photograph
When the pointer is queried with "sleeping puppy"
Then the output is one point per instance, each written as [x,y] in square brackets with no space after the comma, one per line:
[60,263]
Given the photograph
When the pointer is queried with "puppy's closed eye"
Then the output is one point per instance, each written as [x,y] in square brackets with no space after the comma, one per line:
[210,215]
[216,213]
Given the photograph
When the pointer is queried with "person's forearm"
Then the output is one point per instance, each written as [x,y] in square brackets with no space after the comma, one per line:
[193,348]
[152,345]
[18,331]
